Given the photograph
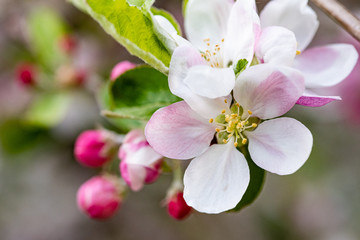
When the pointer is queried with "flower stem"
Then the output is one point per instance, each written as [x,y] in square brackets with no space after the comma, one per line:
[340,14]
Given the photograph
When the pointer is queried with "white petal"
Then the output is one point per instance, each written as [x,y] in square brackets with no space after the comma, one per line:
[294,15]
[172,39]
[268,91]
[216,180]
[182,60]
[178,132]
[280,145]
[210,82]
[137,175]
[241,30]
[276,45]
[326,66]
[206,19]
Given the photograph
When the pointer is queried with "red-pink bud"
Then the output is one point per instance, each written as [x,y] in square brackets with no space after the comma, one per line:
[26,74]
[139,162]
[120,68]
[91,148]
[177,207]
[99,197]
[68,43]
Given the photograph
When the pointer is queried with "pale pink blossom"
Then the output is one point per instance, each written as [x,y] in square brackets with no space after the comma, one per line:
[218,176]
[100,197]
[287,28]
[139,164]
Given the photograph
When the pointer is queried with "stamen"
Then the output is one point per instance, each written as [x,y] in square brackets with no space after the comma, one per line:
[223,111]
[254,125]
[225,101]
[211,120]
[244,141]
[222,40]
[250,112]
[298,52]
[224,141]
[217,130]
[235,144]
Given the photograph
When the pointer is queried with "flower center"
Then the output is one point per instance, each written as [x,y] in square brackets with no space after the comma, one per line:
[232,124]
[213,54]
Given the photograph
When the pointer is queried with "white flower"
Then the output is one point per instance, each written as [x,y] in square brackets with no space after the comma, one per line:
[218,176]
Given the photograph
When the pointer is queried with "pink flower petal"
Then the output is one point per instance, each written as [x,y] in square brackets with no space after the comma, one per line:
[311,99]
[280,145]
[178,132]
[326,66]
[268,91]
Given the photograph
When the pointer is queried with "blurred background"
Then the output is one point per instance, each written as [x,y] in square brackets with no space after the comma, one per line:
[39,176]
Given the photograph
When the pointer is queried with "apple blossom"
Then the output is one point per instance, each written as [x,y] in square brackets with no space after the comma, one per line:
[216,44]
[288,27]
[100,197]
[139,162]
[93,148]
[218,176]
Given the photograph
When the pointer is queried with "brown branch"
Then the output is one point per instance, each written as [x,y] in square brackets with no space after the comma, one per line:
[341,15]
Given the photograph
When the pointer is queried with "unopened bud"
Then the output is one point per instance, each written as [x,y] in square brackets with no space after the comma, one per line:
[68,43]
[92,148]
[120,68]
[177,207]
[100,197]
[26,74]
[139,164]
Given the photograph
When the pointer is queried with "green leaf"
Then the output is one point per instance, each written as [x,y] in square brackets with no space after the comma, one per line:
[184,5]
[257,178]
[17,137]
[136,95]
[240,66]
[48,109]
[45,31]
[130,23]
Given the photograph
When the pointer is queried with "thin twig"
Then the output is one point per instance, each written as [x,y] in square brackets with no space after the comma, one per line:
[341,15]
[110,114]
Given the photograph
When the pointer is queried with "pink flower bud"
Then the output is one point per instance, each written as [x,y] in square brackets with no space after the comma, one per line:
[99,197]
[120,68]
[177,207]
[139,162]
[92,148]
[68,43]
[26,74]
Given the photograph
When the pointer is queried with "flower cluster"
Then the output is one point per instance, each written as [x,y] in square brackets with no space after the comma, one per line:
[237,74]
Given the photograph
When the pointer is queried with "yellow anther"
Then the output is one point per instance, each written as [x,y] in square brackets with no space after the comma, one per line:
[238,105]
[250,112]
[224,141]
[222,40]
[254,125]
[212,66]
[223,111]
[218,49]
[228,129]
[244,141]
[211,120]
[208,44]
[235,144]
[217,130]
[298,52]
[214,53]
[217,45]
[225,101]
[206,39]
